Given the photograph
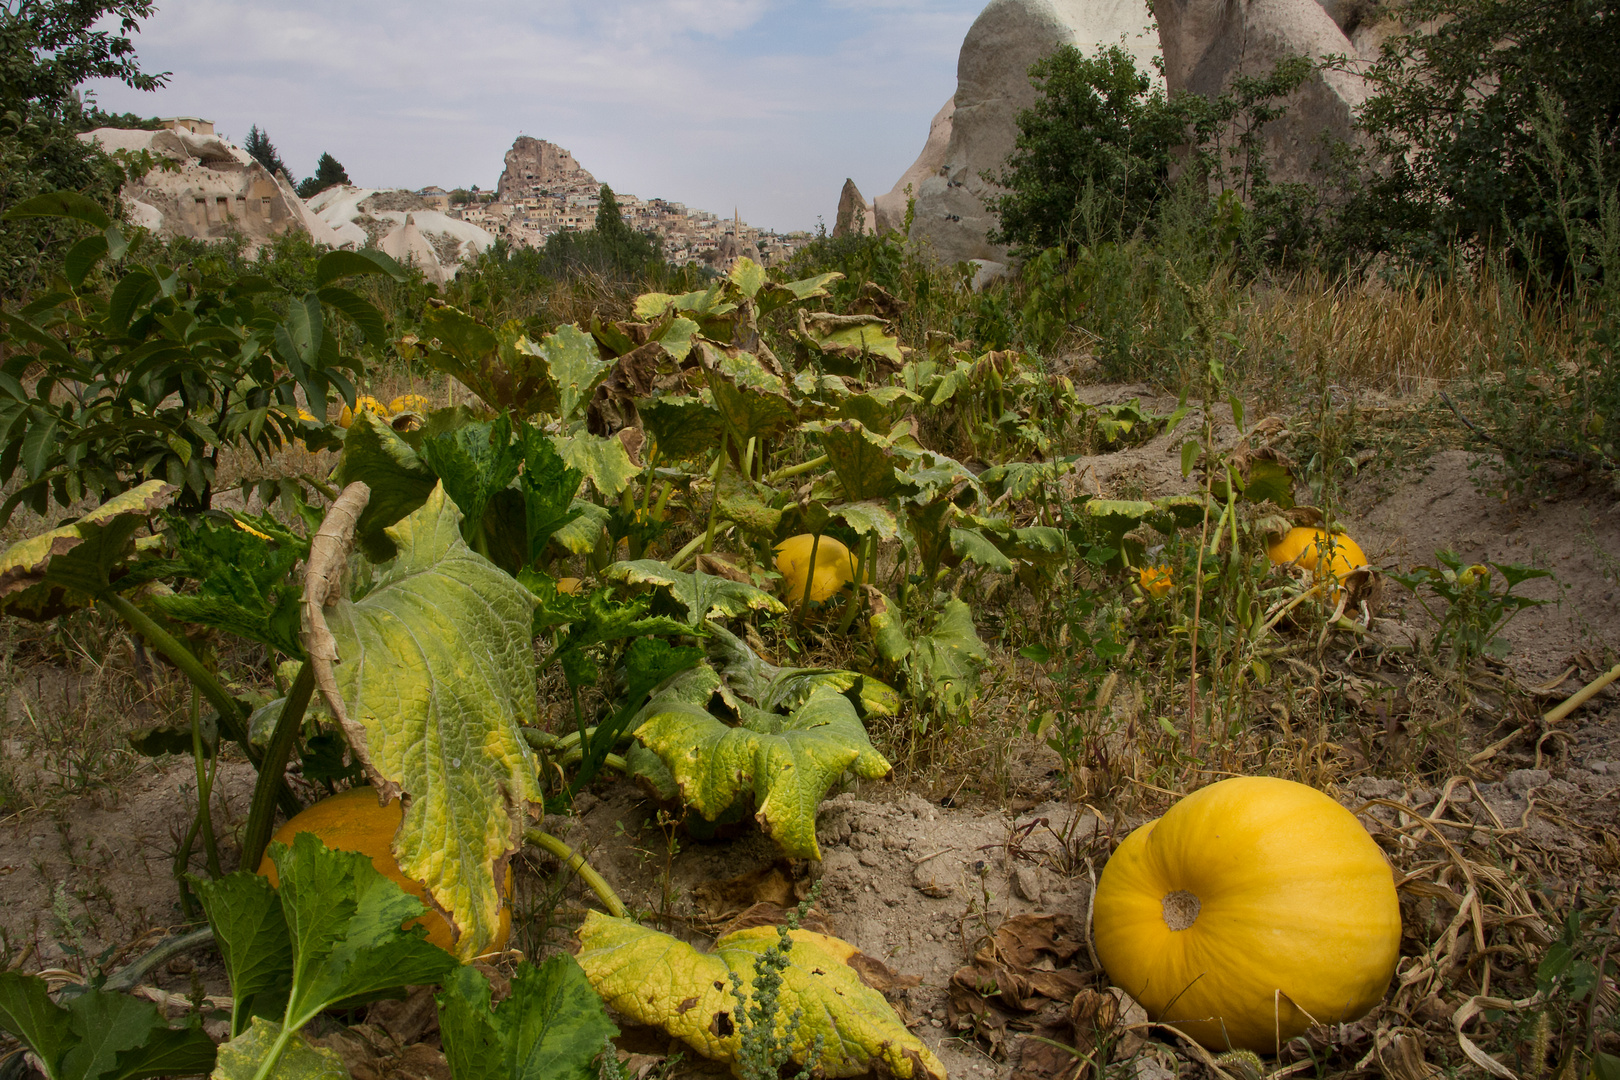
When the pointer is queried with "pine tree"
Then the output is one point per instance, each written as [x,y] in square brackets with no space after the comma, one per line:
[262,150]
[328,173]
[609,222]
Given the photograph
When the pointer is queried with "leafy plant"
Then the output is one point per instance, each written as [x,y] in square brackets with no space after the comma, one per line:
[332,932]
[1467,610]
[99,1034]
[551,1027]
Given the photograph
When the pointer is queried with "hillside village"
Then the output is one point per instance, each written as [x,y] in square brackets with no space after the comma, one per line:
[218,190]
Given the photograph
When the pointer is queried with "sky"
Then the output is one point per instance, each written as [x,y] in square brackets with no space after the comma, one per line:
[765,106]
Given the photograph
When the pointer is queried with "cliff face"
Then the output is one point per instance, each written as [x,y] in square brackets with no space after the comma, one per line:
[534,165]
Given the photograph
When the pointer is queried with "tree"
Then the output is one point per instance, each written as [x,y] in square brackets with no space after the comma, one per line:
[262,150]
[609,222]
[328,173]
[48,48]
[1498,122]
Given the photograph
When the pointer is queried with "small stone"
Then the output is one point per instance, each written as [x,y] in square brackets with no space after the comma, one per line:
[936,1023]
[929,883]
[1027,883]
[869,858]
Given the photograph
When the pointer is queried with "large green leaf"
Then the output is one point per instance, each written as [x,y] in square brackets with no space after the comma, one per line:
[251,933]
[604,462]
[703,595]
[865,463]
[852,335]
[972,545]
[551,1027]
[580,534]
[683,427]
[658,979]
[777,295]
[434,680]
[68,568]
[473,462]
[576,365]
[241,1058]
[748,276]
[399,480]
[786,763]
[750,413]
[99,1035]
[747,503]
[868,517]
[949,656]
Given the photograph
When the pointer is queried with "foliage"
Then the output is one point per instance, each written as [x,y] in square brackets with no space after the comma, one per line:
[657,979]
[1498,122]
[330,933]
[261,149]
[47,50]
[1468,612]
[328,173]
[99,1034]
[146,370]
[551,1027]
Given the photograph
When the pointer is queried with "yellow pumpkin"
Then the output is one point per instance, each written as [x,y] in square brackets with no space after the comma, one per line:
[835,567]
[363,403]
[415,403]
[1155,580]
[1252,908]
[1303,546]
[353,820]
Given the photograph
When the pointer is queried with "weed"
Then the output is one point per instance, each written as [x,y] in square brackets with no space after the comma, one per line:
[1468,612]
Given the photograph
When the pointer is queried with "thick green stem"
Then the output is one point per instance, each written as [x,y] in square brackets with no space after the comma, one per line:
[797,470]
[272,770]
[576,862]
[855,597]
[679,558]
[714,503]
[809,578]
[205,789]
[267,1067]
[232,715]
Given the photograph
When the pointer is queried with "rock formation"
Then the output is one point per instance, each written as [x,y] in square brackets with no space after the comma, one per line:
[362,216]
[891,207]
[854,215]
[406,245]
[992,88]
[216,192]
[534,166]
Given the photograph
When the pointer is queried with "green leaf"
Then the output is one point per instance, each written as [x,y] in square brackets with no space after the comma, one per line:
[252,936]
[889,631]
[745,502]
[750,413]
[551,1027]
[399,480]
[748,276]
[780,295]
[864,462]
[949,656]
[1605,1066]
[657,979]
[82,258]
[473,463]
[246,584]
[868,517]
[61,204]
[363,313]
[853,335]
[241,1058]
[339,264]
[1189,456]
[69,567]
[580,534]
[435,678]
[703,595]
[682,427]
[1270,479]
[27,1011]
[972,545]
[549,487]
[346,921]
[125,1038]
[577,366]
[604,462]
[786,763]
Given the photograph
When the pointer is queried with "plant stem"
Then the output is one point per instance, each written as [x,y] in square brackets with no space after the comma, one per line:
[809,579]
[262,811]
[576,862]
[230,710]
[855,598]
[797,470]
[267,1067]
[714,503]
[680,557]
[205,789]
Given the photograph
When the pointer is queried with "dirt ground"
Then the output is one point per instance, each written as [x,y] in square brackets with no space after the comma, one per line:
[919,885]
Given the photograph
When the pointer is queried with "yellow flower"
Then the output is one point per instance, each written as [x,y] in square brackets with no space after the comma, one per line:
[1155,580]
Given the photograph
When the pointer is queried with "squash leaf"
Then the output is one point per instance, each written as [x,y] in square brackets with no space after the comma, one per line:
[703,595]
[240,1058]
[398,478]
[657,979]
[682,426]
[749,413]
[864,462]
[98,1035]
[552,1027]
[604,462]
[68,568]
[434,679]
[786,763]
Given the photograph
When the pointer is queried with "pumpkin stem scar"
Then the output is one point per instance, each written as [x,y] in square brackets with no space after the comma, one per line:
[1181,909]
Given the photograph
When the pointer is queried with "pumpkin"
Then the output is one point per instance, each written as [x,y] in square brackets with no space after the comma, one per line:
[353,820]
[415,403]
[1303,546]
[1155,580]
[363,403]
[1253,908]
[835,567]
